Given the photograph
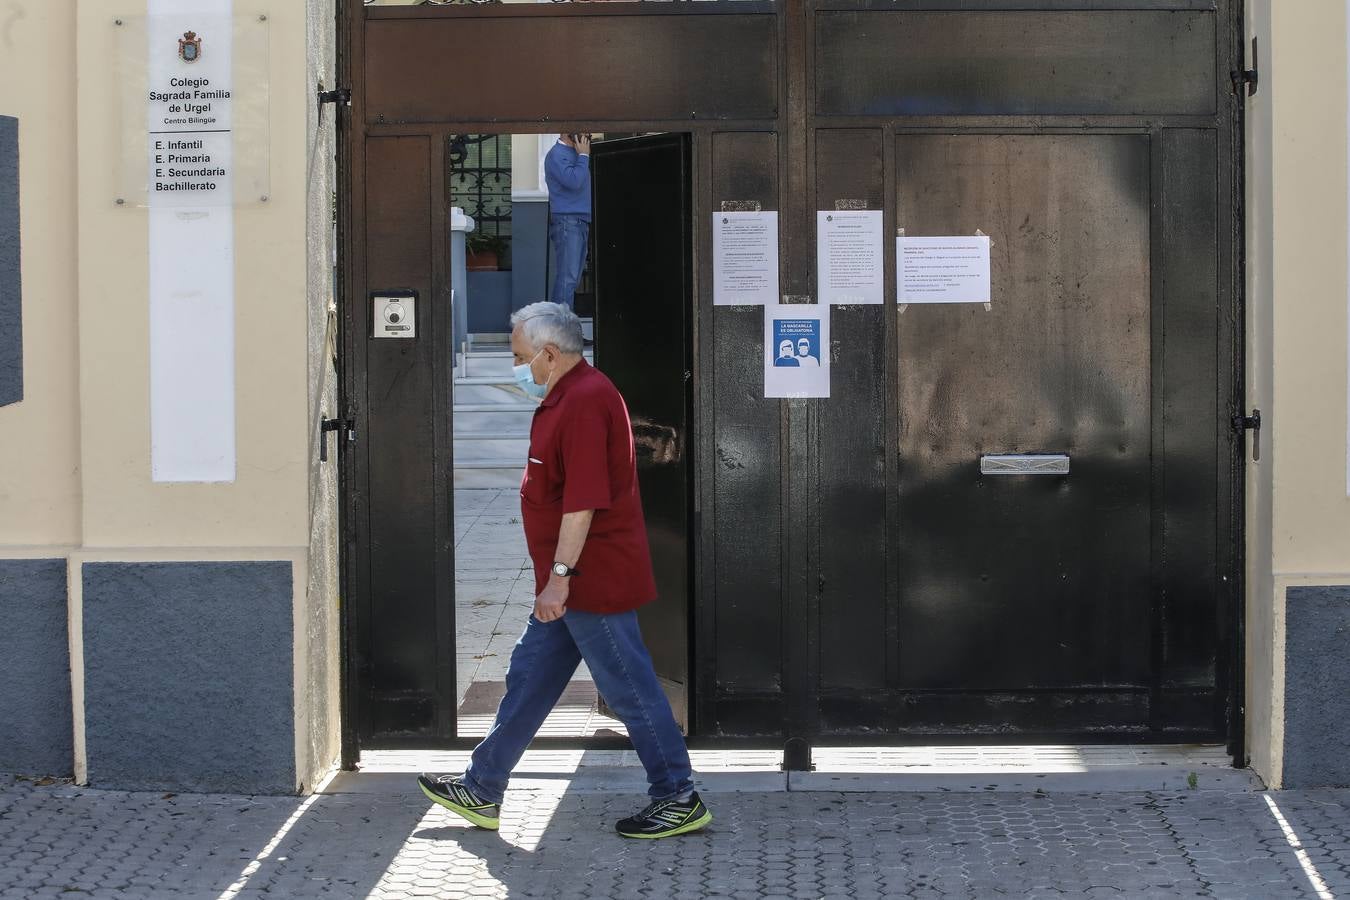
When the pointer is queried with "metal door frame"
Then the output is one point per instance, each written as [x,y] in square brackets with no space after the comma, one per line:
[793,124]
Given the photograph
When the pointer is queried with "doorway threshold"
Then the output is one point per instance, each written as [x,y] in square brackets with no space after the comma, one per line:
[1031,769]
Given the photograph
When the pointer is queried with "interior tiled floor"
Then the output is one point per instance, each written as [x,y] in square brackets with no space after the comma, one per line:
[494,592]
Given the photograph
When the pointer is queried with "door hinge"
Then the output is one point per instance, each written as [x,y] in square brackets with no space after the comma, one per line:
[327,425]
[1249,77]
[341,95]
[1244,423]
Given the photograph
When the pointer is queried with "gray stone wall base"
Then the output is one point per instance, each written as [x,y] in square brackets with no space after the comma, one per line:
[35,717]
[189,676]
[1317,687]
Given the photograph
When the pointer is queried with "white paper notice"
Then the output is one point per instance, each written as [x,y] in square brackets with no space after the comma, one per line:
[745,258]
[943,269]
[849,267]
[796,350]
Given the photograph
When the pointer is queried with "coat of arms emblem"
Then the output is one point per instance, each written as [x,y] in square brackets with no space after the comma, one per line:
[189,47]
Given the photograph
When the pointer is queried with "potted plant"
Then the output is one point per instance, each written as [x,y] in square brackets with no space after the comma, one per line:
[482,251]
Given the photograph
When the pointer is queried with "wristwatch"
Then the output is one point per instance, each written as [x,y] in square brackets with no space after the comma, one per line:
[563,570]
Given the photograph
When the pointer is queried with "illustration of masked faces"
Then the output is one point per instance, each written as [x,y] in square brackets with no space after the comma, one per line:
[803,347]
[785,350]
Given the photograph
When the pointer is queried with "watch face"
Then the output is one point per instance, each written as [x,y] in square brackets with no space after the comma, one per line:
[560,569]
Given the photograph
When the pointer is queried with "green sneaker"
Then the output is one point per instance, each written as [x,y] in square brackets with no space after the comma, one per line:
[449,791]
[667,818]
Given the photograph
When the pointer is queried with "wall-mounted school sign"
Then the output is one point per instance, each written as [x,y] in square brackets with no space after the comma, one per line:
[190,195]
[191,114]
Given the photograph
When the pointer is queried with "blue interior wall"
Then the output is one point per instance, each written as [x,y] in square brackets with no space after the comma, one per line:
[11,323]
[489,302]
[189,674]
[529,253]
[35,707]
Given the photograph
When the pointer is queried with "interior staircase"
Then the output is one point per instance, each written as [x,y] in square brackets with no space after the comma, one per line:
[492,416]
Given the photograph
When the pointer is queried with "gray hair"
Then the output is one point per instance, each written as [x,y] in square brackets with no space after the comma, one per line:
[549,323]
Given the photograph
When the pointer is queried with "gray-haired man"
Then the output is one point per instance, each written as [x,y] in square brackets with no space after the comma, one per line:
[588,542]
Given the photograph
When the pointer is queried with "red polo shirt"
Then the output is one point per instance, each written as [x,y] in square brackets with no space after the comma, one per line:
[581,457]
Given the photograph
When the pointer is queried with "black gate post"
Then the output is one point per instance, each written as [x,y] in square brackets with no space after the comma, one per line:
[797,755]
[800,477]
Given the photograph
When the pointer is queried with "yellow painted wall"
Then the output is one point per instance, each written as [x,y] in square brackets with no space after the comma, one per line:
[79,473]
[75,474]
[1263,704]
[267,504]
[39,437]
[1307,80]
[1298,516]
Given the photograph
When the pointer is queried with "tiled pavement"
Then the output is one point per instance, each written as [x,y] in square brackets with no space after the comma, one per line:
[493,582]
[911,822]
[63,842]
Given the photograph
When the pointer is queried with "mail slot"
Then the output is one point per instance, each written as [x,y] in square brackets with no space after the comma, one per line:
[1024,464]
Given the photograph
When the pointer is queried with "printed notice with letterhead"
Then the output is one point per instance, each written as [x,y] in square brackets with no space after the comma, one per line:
[849,249]
[745,258]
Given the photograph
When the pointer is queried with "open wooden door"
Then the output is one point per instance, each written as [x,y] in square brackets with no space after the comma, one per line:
[643,288]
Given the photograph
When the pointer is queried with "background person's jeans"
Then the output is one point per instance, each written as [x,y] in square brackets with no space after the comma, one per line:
[544,659]
[569,235]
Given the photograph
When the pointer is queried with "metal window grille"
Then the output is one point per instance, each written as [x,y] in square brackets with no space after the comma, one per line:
[478,178]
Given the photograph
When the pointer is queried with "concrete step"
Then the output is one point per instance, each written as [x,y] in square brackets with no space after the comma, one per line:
[485,380]
[493,393]
[493,408]
[509,452]
[482,363]
[981,770]
[475,477]
[463,433]
[514,422]
[490,464]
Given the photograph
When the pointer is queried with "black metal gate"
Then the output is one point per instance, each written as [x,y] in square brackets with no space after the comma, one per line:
[855,575]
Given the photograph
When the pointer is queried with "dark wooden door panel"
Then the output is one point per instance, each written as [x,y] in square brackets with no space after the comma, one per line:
[406,605]
[643,329]
[1015,583]
[1016,62]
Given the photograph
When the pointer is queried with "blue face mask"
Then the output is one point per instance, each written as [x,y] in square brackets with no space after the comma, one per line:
[525,379]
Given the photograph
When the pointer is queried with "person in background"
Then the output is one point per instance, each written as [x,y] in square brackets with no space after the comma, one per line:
[567,174]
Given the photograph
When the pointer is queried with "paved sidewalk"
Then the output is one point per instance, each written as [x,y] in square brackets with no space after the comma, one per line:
[556,842]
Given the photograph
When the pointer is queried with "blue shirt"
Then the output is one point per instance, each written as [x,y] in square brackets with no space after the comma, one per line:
[568,176]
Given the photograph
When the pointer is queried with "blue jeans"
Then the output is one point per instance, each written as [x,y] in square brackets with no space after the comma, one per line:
[544,659]
[569,235]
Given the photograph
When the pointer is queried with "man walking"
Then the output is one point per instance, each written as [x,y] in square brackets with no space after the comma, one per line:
[567,174]
[587,539]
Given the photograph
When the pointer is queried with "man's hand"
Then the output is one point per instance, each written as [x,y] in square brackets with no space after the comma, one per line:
[552,603]
[583,144]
